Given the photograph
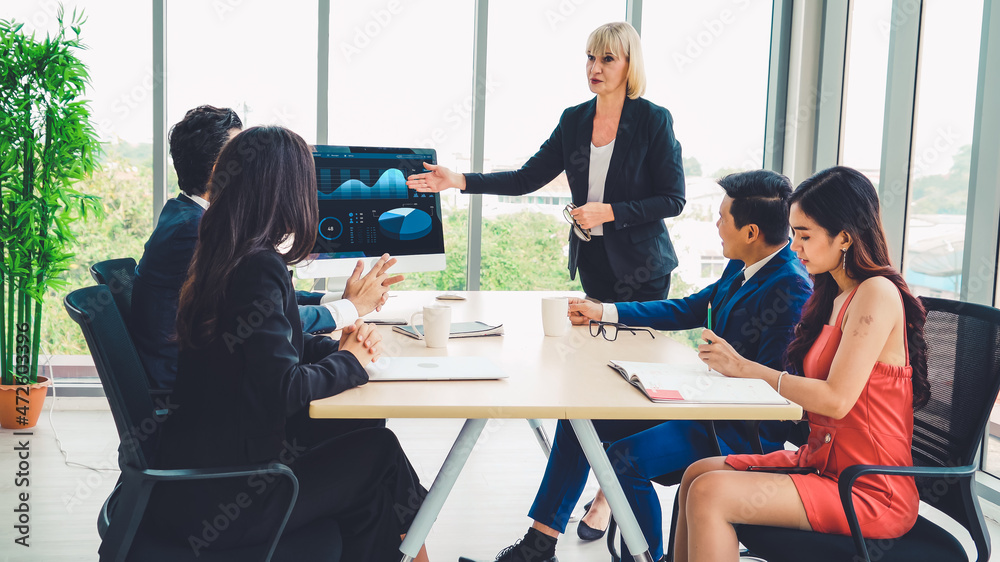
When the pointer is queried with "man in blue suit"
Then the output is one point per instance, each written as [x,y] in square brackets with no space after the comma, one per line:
[195,144]
[755,306]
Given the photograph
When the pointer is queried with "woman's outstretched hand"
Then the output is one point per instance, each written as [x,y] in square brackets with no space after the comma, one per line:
[436,178]
[719,355]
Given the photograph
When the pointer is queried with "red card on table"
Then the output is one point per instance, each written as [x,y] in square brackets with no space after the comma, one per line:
[664,394]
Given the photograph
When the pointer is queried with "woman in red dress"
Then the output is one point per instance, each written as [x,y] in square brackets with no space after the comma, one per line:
[861,351]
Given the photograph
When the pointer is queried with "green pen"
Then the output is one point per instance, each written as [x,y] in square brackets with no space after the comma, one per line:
[710,317]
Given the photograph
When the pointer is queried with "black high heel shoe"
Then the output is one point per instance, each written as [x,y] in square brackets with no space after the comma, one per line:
[586,532]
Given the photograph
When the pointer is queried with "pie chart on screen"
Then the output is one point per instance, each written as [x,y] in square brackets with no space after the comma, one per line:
[405,224]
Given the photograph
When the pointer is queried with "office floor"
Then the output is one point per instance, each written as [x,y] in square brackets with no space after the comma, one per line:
[485,512]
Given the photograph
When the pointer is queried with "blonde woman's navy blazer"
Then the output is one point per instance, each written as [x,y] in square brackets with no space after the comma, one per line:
[645,183]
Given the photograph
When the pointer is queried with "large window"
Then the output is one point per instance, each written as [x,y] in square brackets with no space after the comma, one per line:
[536,68]
[708,64]
[942,143]
[864,86]
[121,103]
[401,75]
[245,55]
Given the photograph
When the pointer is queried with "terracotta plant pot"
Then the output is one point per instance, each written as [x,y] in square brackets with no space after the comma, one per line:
[23,413]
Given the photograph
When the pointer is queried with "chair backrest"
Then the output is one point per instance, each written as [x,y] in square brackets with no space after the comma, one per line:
[121,372]
[119,276]
[963,367]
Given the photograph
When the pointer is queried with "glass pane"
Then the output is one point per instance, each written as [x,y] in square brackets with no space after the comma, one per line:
[121,104]
[723,47]
[536,69]
[401,75]
[940,160]
[217,55]
[864,87]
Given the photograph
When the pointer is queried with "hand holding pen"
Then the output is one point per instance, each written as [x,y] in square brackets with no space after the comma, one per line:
[719,355]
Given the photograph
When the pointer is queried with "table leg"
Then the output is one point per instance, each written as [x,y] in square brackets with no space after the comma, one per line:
[591,445]
[443,483]
[540,435]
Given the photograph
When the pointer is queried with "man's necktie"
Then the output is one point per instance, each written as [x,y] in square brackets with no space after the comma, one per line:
[733,287]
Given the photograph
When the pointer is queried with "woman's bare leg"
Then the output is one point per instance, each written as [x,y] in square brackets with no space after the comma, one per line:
[680,542]
[718,499]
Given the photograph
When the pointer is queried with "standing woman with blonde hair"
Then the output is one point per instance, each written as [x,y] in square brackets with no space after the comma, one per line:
[624,169]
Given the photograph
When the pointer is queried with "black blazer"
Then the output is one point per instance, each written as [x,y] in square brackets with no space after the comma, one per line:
[234,395]
[159,277]
[645,183]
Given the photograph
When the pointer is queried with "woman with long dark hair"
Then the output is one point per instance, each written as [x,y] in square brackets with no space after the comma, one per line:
[245,367]
[860,350]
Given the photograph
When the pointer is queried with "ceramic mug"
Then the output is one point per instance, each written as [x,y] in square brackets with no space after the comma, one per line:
[555,316]
[436,320]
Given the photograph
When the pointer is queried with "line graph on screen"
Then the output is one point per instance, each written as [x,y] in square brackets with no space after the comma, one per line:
[361,183]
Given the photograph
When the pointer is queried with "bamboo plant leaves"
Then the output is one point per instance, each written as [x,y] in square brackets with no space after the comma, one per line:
[47,144]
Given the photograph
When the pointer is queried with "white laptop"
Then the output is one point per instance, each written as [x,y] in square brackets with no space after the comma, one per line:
[433,368]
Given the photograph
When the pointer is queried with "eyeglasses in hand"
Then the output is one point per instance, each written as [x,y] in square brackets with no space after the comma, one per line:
[610,330]
[581,233]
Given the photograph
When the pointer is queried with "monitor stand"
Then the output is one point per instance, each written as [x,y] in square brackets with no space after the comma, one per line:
[334,285]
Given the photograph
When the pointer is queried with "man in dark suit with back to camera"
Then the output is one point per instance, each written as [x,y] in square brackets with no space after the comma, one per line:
[195,144]
[754,305]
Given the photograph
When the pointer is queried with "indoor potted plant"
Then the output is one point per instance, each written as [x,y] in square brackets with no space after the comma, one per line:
[47,143]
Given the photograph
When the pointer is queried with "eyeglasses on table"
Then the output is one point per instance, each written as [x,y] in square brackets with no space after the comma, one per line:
[610,330]
[581,233]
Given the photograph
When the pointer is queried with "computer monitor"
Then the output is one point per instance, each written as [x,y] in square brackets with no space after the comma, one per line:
[365,210]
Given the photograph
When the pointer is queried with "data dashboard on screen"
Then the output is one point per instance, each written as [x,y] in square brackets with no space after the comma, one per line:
[365,210]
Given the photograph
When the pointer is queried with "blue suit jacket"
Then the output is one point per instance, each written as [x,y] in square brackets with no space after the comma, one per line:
[645,184]
[758,320]
[159,277]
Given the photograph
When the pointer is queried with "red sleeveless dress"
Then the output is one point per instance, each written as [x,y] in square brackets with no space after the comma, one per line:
[877,430]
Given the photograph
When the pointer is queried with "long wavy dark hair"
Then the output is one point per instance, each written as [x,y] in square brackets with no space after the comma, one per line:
[263,190]
[841,199]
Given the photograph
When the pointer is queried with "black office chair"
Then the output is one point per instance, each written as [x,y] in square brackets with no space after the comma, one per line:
[119,276]
[963,364]
[124,534]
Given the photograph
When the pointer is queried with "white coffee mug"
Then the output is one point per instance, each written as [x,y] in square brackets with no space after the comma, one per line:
[555,315]
[436,320]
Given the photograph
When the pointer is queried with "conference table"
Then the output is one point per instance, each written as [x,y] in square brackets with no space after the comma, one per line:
[563,377]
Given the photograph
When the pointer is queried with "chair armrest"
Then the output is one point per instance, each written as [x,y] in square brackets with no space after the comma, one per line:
[850,474]
[137,486]
[175,474]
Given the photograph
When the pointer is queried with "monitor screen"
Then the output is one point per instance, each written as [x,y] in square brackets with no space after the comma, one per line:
[365,210]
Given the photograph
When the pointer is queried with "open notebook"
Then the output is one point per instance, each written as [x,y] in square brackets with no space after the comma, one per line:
[667,382]
[433,368]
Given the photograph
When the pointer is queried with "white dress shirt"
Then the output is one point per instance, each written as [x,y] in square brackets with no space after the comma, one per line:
[600,161]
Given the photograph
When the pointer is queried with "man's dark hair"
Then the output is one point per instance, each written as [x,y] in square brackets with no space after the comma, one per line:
[195,144]
[760,197]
